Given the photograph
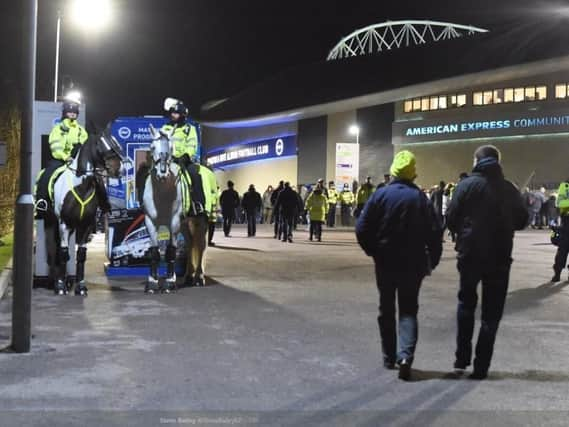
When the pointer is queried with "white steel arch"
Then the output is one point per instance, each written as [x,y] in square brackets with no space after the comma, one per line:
[395,34]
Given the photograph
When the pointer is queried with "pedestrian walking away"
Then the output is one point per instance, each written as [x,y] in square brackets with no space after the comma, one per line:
[229,201]
[252,204]
[317,206]
[484,212]
[276,212]
[399,229]
[288,206]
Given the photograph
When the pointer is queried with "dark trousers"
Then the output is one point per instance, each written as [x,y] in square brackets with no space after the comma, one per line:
[278,228]
[43,183]
[494,280]
[228,219]
[287,226]
[345,214]
[251,222]
[563,248]
[210,232]
[316,229]
[405,286]
[331,220]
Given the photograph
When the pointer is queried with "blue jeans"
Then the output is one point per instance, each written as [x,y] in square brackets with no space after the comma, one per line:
[405,286]
[494,280]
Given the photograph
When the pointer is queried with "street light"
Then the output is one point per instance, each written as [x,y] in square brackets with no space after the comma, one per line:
[355,130]
[89,14]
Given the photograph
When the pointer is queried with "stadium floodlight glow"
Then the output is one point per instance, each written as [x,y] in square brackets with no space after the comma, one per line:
[354,130]
[396,34]
[91,14]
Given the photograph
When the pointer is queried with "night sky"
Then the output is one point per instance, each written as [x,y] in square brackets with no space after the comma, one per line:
[201,50]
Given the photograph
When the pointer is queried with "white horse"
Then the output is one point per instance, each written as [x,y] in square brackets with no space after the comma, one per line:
[75,201]
[163,205]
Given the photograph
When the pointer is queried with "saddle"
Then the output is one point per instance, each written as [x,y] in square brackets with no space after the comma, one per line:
[51,184]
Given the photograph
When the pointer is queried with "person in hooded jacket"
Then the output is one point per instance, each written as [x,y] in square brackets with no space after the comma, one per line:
[317,207]
[288,206]
[229,201]
[398,227]
[252,204]
[484,212]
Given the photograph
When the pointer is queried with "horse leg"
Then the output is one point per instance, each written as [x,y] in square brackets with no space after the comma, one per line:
[60,287]
[152,282]
[189,274]
[80,285]
[171,250]
[199,245]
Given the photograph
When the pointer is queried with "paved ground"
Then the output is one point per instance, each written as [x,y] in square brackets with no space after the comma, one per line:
[285,335]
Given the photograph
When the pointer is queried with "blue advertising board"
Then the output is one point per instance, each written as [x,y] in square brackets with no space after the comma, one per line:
[249,151]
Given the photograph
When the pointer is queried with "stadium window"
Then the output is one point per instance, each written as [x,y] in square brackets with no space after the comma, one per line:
[541,93]
[498,96]
[509,95]
[561,91]
[487,98]
[442,102]
[461,100]
[424,104]
[477,98]
[417,104]
[518,94]
[530,93]
[434,103]
[408,106]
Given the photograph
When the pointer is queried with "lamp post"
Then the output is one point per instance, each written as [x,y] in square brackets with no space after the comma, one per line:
[92,14]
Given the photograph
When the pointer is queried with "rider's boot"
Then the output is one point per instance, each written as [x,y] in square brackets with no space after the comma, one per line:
[170,282]
[80,286]
[152,282]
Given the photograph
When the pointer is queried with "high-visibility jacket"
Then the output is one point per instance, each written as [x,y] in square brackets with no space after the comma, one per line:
[64,136]
[563,198]
[364,193]
[184,140]
[317,206]
[332,196]
[347,197]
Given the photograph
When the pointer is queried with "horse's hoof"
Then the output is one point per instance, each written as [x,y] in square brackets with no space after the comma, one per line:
[189,282]
[151,285]
[60,288]
[200,282]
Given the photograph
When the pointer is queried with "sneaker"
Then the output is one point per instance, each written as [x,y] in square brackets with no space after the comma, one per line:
[460,366]
[404,370]
[556,278]
[478,375]
[290,239]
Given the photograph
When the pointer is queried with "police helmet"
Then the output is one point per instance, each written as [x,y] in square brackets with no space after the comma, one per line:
[70,107]
[173,105]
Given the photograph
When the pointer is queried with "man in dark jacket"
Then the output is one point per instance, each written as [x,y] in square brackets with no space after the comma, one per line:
[276,212]
[288,205]
[437,200]
[252,204]
[228,201]
[485,211]
[399,229]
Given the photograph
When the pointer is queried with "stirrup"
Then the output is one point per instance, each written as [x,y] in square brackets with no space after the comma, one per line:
[42,205]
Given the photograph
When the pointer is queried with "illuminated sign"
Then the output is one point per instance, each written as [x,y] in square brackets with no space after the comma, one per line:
[522,124]
[277,147]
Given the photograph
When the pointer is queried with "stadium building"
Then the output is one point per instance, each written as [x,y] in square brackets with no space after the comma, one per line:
[438,89]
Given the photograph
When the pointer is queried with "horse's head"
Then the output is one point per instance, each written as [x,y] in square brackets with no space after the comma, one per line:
[109,153]
[161,150]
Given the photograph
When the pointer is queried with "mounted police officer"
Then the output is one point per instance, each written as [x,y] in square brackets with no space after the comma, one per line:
[65,139]
[185,149]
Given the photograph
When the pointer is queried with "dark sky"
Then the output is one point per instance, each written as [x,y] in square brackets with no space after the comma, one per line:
[201,50]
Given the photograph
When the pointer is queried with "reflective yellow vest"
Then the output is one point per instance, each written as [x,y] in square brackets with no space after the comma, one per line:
[332,196]
[347,197]
[563,198]
[64,136]
[317,206]
[184,140]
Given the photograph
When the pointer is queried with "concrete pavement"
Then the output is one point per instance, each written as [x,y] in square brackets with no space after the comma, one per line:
[285,335]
